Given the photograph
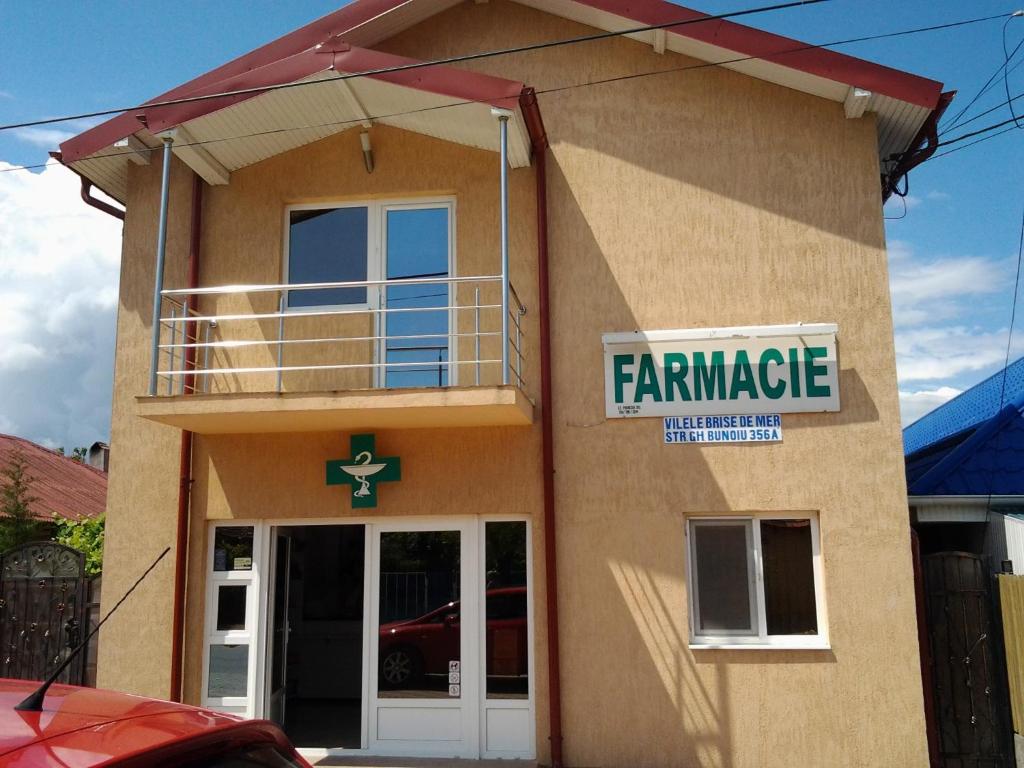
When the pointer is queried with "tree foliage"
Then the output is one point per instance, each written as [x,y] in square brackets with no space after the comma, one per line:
[77,454]
[17,524]
[86,536]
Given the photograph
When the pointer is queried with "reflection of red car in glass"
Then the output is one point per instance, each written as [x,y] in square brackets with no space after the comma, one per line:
[417,651]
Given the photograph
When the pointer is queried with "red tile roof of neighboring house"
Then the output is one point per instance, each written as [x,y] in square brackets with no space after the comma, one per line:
[61,485]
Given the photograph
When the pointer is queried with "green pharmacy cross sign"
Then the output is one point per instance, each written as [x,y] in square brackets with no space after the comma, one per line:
[363,471]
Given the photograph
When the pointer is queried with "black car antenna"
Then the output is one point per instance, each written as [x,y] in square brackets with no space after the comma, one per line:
[34,701]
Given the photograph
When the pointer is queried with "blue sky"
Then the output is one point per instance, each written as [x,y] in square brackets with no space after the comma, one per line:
[952,255]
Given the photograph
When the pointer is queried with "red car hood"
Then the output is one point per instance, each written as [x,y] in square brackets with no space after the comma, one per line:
[89,727]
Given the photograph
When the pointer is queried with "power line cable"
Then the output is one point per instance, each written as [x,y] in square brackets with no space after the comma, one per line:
[952,122]
[971,144]
[1006,75]
[424,64]
[988,111]
[1006,362]
[555,89]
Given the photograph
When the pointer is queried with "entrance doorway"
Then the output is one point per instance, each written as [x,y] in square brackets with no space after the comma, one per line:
[315,647]
[390,637]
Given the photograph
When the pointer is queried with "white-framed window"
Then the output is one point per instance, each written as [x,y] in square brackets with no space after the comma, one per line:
[756,580]
[373,241]
[231,644]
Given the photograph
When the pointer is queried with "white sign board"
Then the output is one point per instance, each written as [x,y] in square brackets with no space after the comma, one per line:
[752,428]
[722,371]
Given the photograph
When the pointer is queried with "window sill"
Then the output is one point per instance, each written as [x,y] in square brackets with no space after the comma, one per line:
[725,646]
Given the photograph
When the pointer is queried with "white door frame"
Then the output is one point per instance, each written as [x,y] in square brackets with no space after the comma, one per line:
[469,617]
[472,558]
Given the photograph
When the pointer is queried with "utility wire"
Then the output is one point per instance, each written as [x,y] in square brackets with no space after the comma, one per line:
[988,111]
[970,144]
[1006,362]
[1006,74]
[954,121]
[556,89]
[424,64]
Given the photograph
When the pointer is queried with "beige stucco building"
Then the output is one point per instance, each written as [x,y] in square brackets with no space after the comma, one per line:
[379,429]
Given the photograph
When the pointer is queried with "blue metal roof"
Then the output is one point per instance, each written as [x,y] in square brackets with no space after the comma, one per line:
[966,411]
[990,461]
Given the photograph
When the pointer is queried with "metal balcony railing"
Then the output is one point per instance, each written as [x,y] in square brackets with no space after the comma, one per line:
[255,338]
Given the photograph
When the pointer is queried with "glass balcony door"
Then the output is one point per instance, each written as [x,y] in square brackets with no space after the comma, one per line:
[417,342]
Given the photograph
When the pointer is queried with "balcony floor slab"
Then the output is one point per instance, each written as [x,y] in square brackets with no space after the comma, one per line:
[251,413]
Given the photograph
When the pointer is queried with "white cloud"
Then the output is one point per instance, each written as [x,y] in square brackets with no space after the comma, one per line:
[943,352]
[6,95]
[899,251]
[936,195]
[930,291]
[59,263]
[916,403]
[51,136]
[47,138]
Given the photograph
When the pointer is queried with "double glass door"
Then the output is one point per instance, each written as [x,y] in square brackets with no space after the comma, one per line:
[400,637]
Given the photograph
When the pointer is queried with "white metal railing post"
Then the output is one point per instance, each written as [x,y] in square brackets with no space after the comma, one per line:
[184,355]
[170,351]
[206,355]
[161,252]
[280,345]
[476,331]
[503,115]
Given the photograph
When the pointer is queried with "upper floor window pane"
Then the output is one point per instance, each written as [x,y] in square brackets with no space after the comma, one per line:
[327,245]
[417,344]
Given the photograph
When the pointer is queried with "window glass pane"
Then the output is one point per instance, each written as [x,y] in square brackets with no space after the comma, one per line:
[723,579]
[419,614]
[417,246]
[229,671]
[788,577]
[507,646]
[231,607]
[232,548]
[327,245]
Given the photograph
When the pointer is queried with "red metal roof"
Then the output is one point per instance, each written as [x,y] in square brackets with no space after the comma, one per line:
[61,486]
[333,55]
[748,41]
[278,62]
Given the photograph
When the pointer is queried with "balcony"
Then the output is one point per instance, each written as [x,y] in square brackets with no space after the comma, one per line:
[431,351]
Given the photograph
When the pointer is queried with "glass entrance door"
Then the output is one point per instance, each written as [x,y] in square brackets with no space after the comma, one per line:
[424,691]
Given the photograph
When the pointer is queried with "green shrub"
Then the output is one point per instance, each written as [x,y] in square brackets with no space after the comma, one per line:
[86,536]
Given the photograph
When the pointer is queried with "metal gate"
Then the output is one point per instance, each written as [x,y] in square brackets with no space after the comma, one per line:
[42,606]
[968,664]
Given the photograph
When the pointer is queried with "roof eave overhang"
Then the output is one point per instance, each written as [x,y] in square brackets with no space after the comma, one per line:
[435,100]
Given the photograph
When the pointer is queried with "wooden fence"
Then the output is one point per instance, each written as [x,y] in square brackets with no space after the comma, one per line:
[1011,598]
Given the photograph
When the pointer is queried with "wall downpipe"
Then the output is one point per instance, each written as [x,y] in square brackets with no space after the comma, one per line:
[185,456]
[539,141]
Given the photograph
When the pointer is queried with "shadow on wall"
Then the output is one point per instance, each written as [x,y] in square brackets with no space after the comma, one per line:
[676,118]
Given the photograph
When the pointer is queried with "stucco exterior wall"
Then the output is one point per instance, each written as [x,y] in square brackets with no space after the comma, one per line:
[694,198]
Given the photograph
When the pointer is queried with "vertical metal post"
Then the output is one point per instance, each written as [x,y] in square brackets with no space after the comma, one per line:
[206,357]
[476,328]
[161,252]
[184,351]
[519,348]
[280,345]
[503,116]
[170,352]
